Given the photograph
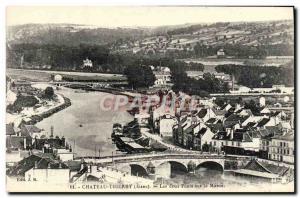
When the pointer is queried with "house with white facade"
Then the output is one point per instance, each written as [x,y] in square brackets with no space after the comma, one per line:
[166,125]
[87,63]
[282,148]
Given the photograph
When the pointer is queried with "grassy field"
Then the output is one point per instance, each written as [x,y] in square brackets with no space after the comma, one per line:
[248,62]
[29,75]
[43,75]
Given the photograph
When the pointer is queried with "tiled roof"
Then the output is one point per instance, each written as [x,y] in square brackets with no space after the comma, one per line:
[288,136]
[280,170]
[211,120]
[237,136]
[220,112]
[202,131]
[216,127]
[74,165]
[27,130]
[41,161]
[235,118]
[202,113]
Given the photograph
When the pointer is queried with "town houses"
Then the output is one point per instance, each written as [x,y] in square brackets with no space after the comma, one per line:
[232,128]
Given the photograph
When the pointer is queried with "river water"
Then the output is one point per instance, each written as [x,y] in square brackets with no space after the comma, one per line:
[85,124]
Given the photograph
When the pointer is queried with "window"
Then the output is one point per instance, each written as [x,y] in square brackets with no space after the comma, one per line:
[232,143]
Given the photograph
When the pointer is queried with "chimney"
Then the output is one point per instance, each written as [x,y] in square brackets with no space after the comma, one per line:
[49,165]
[231,134]
[51,129]
[35,164]
[59,165]
[90,168]
[82,164]
[232,76]
[63,141]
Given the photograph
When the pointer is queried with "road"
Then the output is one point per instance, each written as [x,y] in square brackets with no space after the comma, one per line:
[171,147]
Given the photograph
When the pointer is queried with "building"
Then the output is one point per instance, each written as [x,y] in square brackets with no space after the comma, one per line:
[282,148]
[87,63]
[57,77]
[166,125]
[199,75]
[205,114]
[30,130]
[266,140]
[258,170]
[191,133]
[237,142]
[142,118]
[220,53]
[11,97]
[163,76]
[64,154]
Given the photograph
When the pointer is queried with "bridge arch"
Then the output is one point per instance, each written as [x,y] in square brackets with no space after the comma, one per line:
[211,165]
[138,170]
[170,169]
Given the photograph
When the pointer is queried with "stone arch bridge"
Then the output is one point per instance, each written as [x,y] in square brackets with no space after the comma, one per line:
[161,164]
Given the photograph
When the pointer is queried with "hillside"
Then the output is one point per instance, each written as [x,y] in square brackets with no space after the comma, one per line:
[71,34]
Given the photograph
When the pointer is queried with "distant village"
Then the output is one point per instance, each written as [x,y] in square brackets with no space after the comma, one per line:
[249,35]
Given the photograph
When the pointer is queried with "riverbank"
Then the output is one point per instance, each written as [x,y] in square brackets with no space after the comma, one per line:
[37,118]
[29,117]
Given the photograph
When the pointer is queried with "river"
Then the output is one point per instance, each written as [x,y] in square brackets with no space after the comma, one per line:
[85,124]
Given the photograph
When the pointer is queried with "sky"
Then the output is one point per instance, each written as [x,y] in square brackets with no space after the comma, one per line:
[106,16]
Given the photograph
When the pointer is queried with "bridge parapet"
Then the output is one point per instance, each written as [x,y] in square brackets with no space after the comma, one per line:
[152,164]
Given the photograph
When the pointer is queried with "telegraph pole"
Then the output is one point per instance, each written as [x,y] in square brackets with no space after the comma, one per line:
[95,153]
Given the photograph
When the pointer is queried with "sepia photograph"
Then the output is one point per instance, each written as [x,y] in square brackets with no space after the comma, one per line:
[148,99]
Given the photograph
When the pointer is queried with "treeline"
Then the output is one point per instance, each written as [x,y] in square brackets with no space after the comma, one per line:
[68,58]
[139,74]
[259,76]
[62,57]
[202,87]
[242,51]
[181,82]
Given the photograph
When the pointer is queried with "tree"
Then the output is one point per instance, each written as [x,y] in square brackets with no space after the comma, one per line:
[49,93]
[139,76]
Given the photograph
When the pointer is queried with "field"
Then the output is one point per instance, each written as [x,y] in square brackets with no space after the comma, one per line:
[43,75]
[269,61]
